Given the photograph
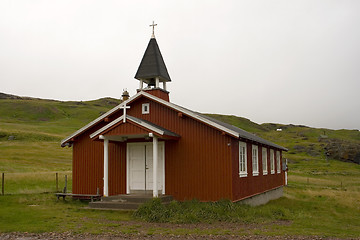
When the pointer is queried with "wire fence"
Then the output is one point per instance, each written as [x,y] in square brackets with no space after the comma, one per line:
[35,182]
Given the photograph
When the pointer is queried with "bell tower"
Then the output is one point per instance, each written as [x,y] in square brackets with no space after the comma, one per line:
[152,70]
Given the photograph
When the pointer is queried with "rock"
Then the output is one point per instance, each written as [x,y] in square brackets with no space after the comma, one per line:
[342,150]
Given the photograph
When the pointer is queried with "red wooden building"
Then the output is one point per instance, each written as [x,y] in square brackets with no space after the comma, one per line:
[148,143]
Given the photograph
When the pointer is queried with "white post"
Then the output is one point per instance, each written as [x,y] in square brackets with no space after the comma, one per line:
[164,86]
[106,167]
[286,174]
[155,164]
[157,81]
[141,84]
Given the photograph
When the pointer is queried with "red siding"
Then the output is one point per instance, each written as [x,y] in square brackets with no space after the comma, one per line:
[202,164]
[251,185]
[198,165]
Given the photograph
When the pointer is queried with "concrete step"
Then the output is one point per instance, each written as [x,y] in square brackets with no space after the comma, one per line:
[133,198]
[114,205]
[126,202]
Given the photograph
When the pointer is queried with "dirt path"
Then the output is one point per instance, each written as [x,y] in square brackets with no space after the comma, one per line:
[143,230]
[56,236]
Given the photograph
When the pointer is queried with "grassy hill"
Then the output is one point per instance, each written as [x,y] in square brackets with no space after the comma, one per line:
[322,197]
[31,129]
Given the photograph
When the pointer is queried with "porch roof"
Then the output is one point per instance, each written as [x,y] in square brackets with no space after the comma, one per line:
[145,125]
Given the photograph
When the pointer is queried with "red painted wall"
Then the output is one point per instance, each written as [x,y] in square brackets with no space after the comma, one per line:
[202,164]
[251,185]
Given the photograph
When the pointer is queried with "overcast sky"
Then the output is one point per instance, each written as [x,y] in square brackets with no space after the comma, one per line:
[270,61]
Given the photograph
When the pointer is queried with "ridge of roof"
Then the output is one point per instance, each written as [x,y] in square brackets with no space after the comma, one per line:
[228,128]
[90,124]
[152,64]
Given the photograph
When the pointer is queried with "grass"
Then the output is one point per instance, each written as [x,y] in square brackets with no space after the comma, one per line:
[43,213]
[211,212]
[322,198]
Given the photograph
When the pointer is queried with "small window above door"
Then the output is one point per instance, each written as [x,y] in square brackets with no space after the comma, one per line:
[145,108]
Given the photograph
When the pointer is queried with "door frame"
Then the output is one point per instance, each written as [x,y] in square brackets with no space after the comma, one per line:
[160,143]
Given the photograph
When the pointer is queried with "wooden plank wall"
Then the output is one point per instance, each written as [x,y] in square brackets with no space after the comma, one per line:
[202,164]
[251,185]
[198,165]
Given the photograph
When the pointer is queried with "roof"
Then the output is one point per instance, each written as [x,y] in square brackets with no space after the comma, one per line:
[146,124]
[227,128]
[152,64]
[245,134]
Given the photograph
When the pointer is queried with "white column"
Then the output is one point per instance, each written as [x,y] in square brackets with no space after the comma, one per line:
[141,84]
[106,167]
[164,86]
[157,81]
[155,166]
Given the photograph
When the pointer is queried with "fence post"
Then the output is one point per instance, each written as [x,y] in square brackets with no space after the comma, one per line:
[57,183]
[65,188]
[3,183]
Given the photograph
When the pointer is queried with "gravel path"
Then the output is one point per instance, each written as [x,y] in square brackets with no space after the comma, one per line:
[144,230]
[67,235]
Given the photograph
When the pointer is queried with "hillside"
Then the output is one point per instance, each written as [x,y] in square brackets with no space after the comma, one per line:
[342,144]
[321,199]
[31,119]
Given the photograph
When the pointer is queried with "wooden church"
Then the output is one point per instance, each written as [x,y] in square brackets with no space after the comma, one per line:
[149,145]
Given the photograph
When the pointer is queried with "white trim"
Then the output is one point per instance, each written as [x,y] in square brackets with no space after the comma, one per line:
[106,127]
[155,167]
[160,143]
[278,164]
[187,112]
[148,126]
[272,161]
[145,108]
[166,103]
[127,169]
[163,157]
[90,124]
[145,125]
[265,170]
[255,159]
[106,167]
[242,145]
[157,81]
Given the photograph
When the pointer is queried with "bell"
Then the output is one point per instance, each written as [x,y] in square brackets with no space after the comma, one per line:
[151,82]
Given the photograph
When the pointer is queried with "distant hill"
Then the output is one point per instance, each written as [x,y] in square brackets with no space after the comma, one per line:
[15,108]
[34,119]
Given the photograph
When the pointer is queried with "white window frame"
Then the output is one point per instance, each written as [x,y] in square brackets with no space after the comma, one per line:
[264,160]
[272,161]
[278,162]
[255,160]
[242,159]
[145,108]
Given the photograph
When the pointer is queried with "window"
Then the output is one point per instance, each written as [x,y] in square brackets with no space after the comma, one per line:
[255,160]
[272,163]
[264,160]
[278,161]
[146,108]
[242,160]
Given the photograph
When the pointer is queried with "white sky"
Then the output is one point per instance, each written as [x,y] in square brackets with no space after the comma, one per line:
[270,61]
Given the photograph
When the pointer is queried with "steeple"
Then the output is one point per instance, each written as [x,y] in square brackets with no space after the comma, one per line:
[152,69]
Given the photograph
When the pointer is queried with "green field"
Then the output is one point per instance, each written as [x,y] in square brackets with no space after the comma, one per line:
[322,198]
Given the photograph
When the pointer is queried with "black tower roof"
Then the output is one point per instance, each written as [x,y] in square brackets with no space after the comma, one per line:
[152,65]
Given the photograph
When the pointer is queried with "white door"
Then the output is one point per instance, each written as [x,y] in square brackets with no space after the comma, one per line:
[140,167]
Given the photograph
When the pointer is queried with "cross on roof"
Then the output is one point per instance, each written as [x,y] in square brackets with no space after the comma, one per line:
[124,107]
[153,32]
